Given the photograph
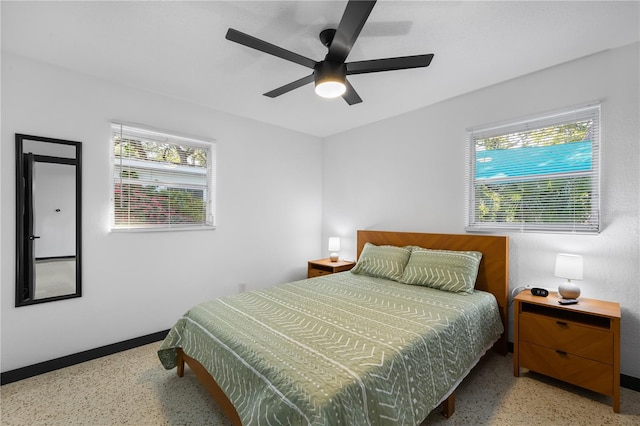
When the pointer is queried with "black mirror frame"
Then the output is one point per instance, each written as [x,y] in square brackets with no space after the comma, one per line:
[20,226]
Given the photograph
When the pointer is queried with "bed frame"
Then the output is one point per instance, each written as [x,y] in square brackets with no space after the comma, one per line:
[493,277]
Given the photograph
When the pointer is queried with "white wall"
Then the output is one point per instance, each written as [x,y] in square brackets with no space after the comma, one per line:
[268,214]
[407,174]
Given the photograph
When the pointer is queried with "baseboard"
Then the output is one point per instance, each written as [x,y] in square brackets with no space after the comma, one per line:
[69,360]
[628,382]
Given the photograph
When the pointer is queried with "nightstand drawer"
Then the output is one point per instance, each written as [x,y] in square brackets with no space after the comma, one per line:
[579,371]
[578,339]
[318,272]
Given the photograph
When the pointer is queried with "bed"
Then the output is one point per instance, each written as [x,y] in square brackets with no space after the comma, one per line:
[349,348]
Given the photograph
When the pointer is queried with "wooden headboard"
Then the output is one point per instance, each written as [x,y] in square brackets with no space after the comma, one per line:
[493,273]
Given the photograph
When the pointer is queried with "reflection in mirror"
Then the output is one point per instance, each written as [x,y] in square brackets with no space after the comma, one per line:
[48,188]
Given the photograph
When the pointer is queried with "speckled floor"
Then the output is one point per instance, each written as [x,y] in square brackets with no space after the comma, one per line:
[132,388]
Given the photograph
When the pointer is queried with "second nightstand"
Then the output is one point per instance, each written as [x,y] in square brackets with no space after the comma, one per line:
[320,267]
[578,344]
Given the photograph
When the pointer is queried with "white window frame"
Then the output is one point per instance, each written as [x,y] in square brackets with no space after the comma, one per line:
[473,221]
[169,179]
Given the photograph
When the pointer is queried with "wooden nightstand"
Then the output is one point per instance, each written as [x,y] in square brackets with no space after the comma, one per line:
[326,266]
[578,344]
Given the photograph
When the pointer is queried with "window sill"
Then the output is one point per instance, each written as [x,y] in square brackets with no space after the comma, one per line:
[170,229]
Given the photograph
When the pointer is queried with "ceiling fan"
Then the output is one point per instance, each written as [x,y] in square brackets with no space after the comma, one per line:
[330,74]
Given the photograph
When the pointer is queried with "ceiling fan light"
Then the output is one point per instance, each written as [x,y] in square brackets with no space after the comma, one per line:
[330,89]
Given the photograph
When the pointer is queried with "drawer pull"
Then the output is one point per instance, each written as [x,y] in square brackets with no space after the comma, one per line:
[563,353]
[562,323]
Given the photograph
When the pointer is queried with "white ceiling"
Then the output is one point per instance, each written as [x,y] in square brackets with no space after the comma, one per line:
[178,49]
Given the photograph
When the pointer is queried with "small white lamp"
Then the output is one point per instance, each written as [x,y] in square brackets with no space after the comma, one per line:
[334,246]
[569,266]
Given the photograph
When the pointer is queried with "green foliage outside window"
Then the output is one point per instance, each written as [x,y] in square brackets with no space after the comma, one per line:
[138,204]
[541,201]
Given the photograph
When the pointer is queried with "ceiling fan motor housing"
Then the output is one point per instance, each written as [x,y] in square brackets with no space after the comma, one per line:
[330,71]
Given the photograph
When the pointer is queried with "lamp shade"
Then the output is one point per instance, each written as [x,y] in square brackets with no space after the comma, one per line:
[569,266]
[334,244]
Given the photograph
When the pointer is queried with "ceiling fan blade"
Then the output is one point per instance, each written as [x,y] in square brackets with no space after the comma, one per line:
[389,64]
[350,95]
[354,17]
[272,49]
[289,87]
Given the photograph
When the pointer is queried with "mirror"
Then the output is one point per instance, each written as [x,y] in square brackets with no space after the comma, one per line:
[48,225]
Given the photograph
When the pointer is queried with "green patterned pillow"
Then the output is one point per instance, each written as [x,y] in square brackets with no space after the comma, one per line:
[447,270]
[382,261]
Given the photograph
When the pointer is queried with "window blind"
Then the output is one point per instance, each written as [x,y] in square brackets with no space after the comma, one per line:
[161,181]
[536,174]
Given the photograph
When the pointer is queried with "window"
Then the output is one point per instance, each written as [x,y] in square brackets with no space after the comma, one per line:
[161,181]
[538,174]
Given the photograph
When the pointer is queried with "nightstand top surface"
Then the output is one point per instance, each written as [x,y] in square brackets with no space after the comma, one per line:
[329,262]
[590,306]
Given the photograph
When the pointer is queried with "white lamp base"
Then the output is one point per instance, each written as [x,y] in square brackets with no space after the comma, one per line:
[334,257]
[569,290]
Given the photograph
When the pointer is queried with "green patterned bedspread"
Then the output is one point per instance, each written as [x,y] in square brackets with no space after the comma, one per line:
[342,349]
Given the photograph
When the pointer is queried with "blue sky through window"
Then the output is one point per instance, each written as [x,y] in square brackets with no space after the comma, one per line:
[534,161]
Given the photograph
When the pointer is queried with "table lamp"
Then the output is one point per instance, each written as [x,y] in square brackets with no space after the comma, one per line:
[334,247]
[569,266]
